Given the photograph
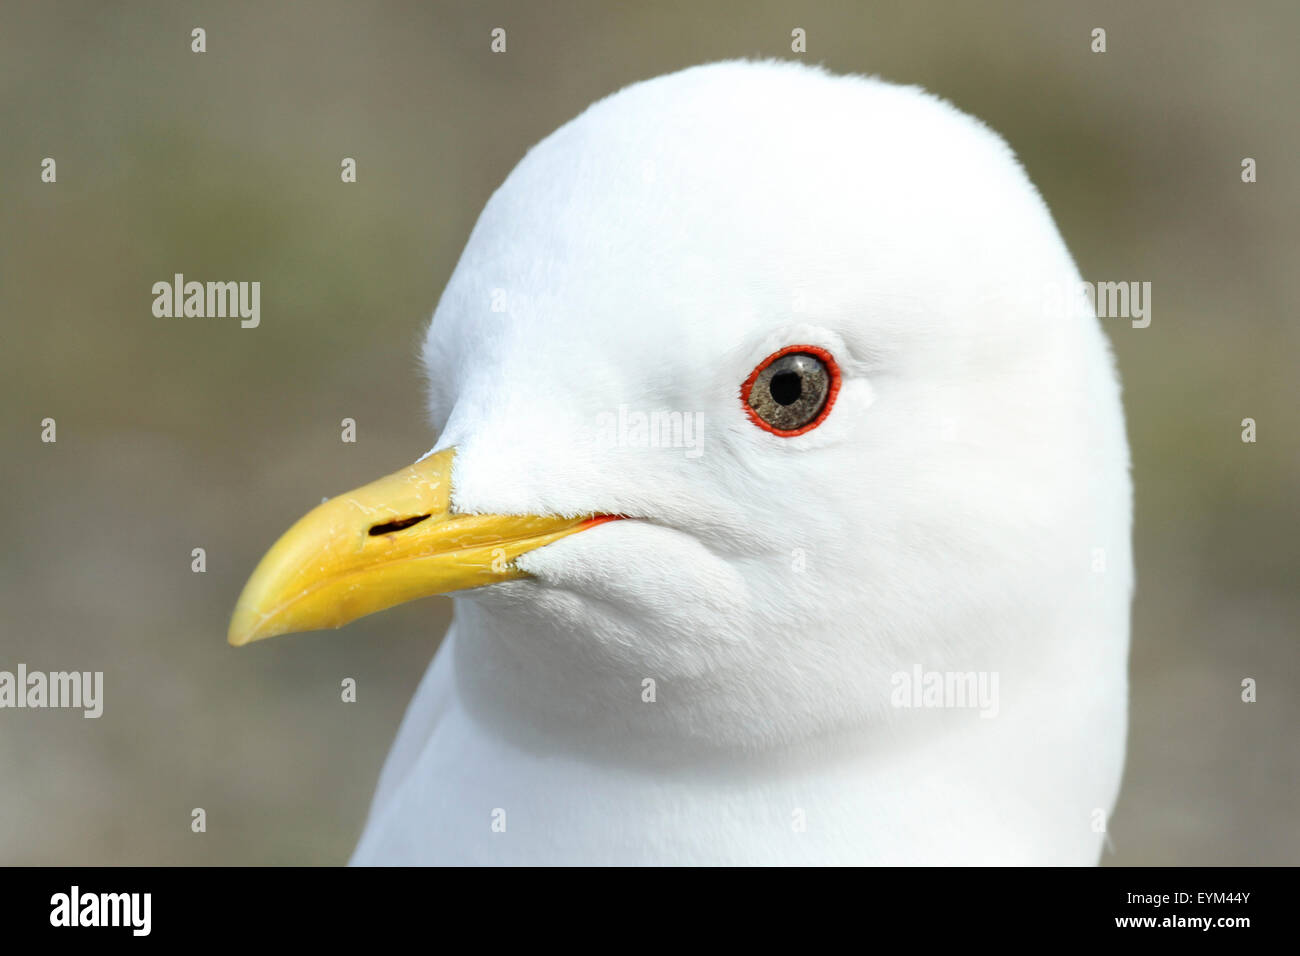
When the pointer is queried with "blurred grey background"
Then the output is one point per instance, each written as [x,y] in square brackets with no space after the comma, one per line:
[176,434]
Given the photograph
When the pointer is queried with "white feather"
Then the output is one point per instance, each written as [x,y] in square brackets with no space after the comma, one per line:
[948,514]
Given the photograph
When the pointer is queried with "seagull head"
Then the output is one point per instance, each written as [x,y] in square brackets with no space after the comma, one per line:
[754,386]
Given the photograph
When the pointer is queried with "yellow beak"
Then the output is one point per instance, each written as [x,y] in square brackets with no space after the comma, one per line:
[386,543]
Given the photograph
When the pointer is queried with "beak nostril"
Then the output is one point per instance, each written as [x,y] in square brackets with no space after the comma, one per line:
[388,527]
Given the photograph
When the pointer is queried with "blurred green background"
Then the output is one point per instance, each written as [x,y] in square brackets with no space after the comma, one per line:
[176,434]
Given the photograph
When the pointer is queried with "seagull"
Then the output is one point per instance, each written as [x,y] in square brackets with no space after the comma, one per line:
[782,490]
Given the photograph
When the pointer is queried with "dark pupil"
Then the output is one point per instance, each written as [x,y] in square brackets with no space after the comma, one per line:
[786,387]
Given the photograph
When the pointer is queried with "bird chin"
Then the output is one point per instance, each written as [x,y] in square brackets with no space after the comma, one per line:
[634,580]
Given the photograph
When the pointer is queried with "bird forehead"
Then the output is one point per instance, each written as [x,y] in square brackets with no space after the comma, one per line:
[787,148]
[754,185]
[688,218]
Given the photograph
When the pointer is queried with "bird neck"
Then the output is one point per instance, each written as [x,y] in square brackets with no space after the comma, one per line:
[540,686]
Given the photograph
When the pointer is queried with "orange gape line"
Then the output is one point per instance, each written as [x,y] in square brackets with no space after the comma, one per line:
[831,392]
[600,519]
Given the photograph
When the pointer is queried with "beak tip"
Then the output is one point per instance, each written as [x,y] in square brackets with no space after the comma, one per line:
[245,628]
[238,636]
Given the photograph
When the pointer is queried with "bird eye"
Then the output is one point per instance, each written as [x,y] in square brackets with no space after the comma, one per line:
[792,390]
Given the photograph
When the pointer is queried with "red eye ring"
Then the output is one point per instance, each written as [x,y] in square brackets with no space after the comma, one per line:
[833,389]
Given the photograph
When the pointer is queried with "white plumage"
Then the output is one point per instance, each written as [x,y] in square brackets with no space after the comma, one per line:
[965,507]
